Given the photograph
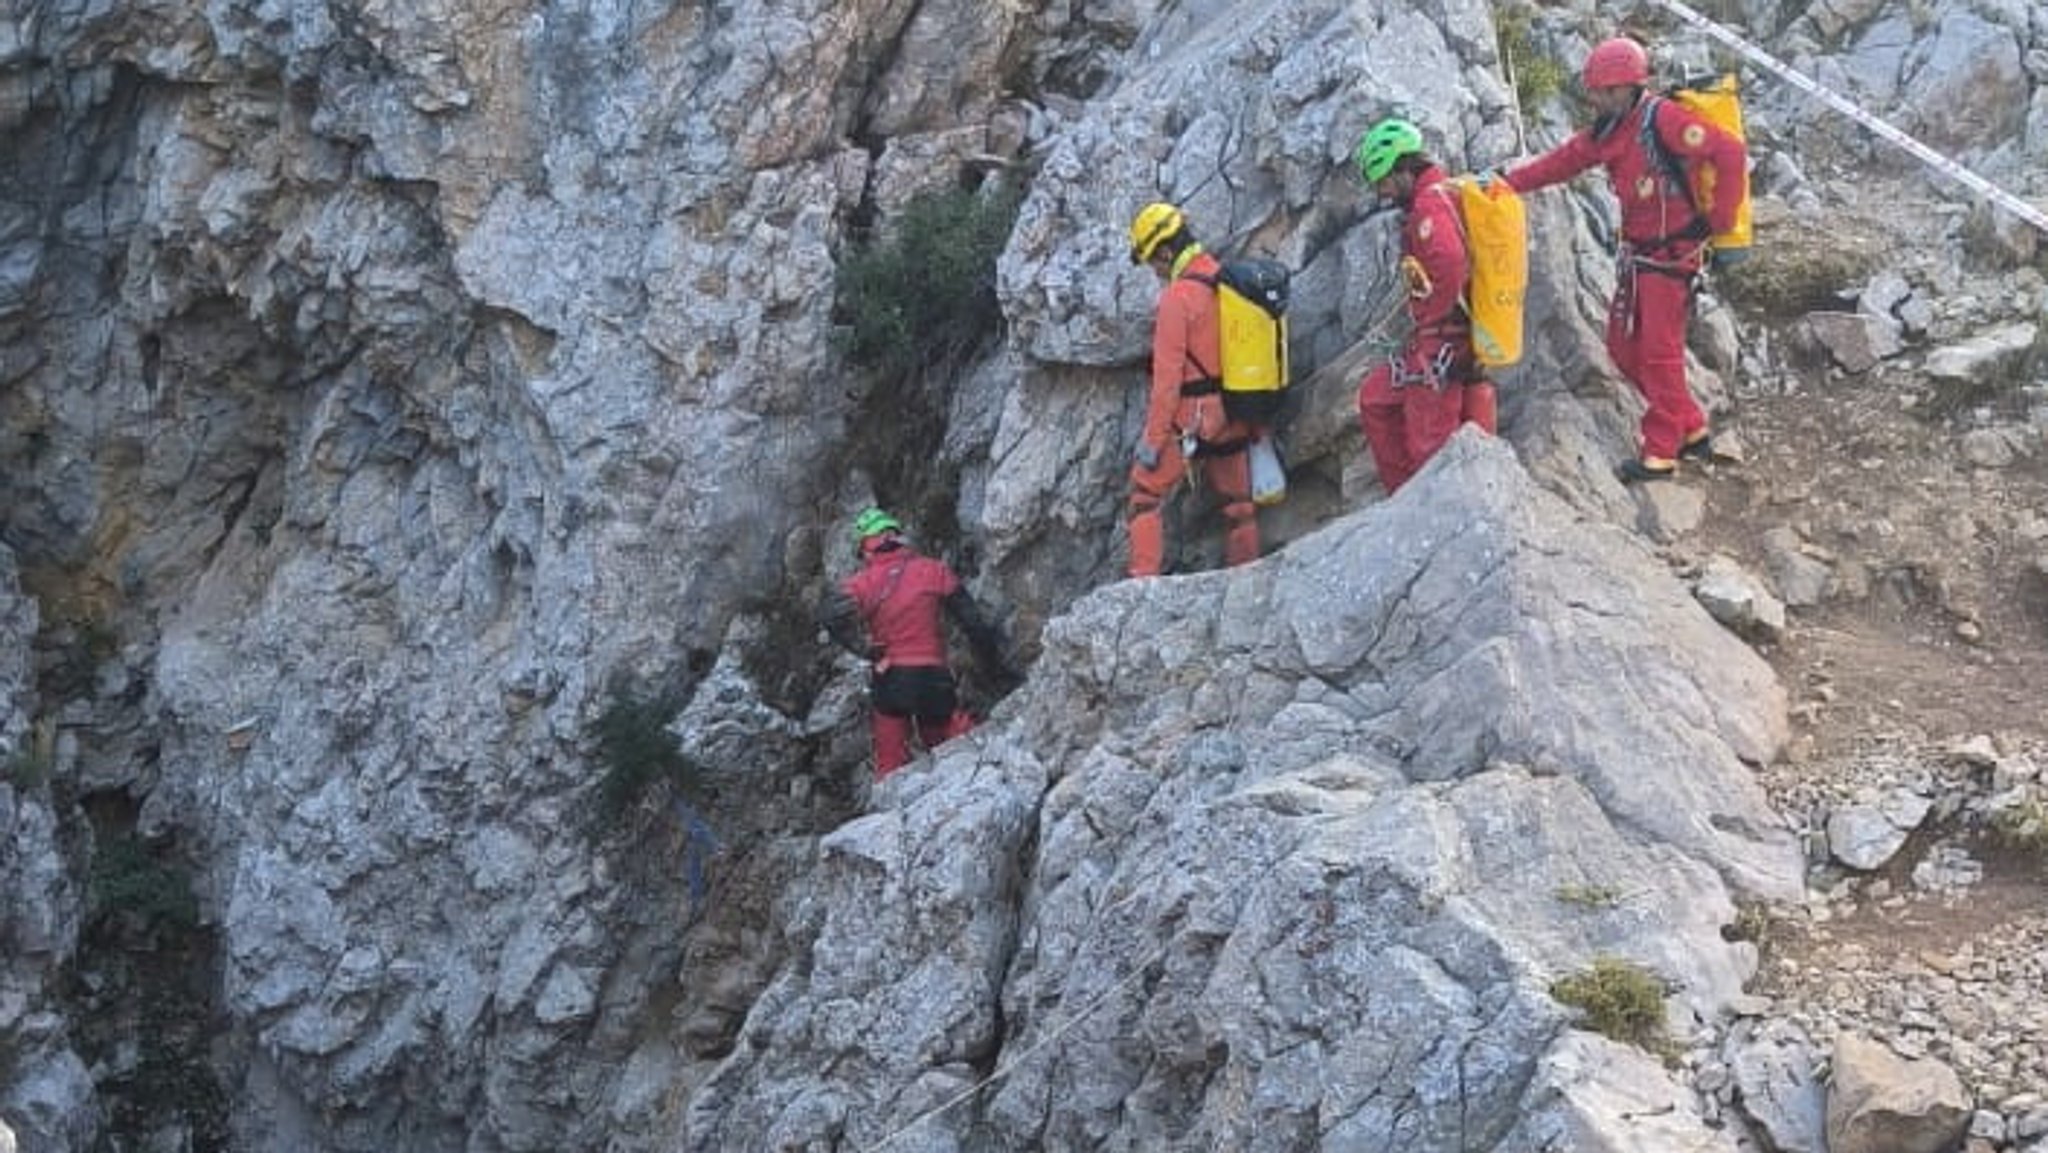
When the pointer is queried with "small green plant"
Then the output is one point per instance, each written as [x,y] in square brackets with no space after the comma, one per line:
[1537,77]
[1590,896]
[2023,827]
[1792,280]
[1620,1000]
[127,880]
[1752,923]
[29,766]
[923,293]
[635,751]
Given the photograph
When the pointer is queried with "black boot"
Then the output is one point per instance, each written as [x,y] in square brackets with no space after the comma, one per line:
[1633,471]
[1701,450]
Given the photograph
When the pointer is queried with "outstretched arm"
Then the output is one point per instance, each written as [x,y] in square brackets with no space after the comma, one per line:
[983,637]
[838,616]
[1555,166]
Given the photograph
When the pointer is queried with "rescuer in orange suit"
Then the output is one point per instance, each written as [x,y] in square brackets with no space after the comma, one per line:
[1185,425]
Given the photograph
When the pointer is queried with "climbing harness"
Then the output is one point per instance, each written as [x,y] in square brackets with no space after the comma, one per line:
[1928,156]
[1435,372]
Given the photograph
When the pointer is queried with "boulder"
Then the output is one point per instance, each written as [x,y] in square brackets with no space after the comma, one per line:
[1879,1102]
[1989,354]
[1778,1084]
[1737,599]
[1867,832]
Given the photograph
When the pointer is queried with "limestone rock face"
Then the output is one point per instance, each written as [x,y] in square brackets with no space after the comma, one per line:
[1356,777]
[46,1095]
[384,378]
[382,381]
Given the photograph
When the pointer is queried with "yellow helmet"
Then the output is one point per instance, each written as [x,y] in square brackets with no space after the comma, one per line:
[1154,224]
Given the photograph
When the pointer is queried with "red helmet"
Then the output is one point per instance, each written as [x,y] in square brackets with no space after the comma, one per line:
[1616,63]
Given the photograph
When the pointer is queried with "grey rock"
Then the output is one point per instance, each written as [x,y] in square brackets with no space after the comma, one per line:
[1917,315]
[1884,294]
[1867,833]
[1966,82]
[1985,355]
[1856,341]
[1992,448]
[1778,1082]
[1737,599]
[1714,336]
[1947,869]
[1591,1093]
[1881,1103]
[1779,175]
[1801,580]
[1669,512]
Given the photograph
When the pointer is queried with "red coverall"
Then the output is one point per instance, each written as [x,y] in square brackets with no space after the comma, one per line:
[1185,399]
[1662,241]
[899,593]
[1411,406]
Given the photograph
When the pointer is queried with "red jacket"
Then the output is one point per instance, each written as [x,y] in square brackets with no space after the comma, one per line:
[1653,208]
[899,594]
[1187,345]
[1434,237]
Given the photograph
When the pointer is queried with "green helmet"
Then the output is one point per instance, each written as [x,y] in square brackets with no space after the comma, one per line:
[873,522]
[1388,142]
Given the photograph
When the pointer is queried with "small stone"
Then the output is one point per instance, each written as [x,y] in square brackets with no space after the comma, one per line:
[1977,752]
[1989,447]
[1749,1005]
[1728,448]
[1969,631]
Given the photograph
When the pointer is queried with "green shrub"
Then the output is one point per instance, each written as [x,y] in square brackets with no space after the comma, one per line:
[1752,923]
[1537,76]
[127,880]
[1620,1001]
[2023,827]
[1590,896]
[30,766]
[634,749]
[923,293]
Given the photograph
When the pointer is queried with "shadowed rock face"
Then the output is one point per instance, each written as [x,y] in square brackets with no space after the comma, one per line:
[46,1094]
[1273,858]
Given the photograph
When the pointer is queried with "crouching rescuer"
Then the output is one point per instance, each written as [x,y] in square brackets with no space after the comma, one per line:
[1186,427]
[889,613]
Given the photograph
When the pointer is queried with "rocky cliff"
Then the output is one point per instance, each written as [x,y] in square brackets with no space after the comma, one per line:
[388,390]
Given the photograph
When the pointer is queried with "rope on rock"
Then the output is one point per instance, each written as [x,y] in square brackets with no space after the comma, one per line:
[1842,104]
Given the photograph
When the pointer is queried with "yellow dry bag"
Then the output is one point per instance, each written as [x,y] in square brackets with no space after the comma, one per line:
[1718,101]
[1497,250]
[1251,316]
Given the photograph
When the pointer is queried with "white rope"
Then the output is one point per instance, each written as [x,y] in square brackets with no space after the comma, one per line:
[1846,107]
[1011,1066]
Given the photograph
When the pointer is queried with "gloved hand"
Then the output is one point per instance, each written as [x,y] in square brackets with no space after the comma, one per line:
[1146,456]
